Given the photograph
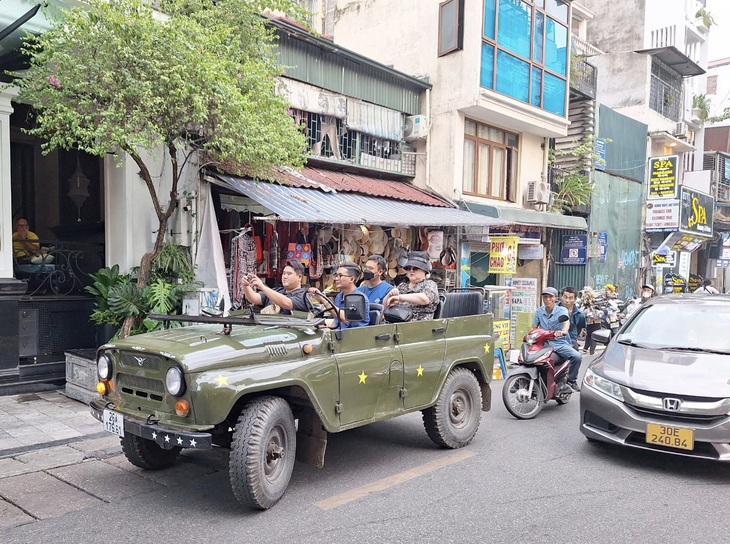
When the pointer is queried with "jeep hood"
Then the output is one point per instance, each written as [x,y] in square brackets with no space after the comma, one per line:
[203,347]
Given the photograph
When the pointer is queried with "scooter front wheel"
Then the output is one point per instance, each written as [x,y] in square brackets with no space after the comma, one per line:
[519,400]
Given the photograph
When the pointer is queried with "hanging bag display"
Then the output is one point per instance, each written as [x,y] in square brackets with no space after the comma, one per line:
[300,250]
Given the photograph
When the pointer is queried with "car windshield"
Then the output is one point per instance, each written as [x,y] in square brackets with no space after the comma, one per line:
[694,327]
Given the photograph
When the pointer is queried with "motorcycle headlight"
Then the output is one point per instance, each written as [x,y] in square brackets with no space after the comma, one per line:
[174,381]
[603,385]
[104,366]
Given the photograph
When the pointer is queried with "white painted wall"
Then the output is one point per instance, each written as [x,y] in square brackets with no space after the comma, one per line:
[131,223]
[6,217]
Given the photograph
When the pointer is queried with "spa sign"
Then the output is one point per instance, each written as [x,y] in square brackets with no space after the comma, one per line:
[696,212]
[663,177]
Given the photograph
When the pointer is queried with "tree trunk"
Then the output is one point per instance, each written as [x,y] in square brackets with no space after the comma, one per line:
[163,216]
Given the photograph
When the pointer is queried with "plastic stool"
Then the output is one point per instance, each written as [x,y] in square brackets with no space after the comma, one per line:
[499,353]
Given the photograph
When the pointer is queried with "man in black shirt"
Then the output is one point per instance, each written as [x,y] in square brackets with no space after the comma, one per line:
[288,297]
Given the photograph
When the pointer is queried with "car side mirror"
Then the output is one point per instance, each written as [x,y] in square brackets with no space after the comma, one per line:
[602,336]
[355,307]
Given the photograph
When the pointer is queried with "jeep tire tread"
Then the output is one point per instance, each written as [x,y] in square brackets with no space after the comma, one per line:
[147,454]
[454,420]
[262,452]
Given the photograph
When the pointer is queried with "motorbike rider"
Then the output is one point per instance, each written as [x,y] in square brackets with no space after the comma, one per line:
[647,292]
[547,317]
[568,296]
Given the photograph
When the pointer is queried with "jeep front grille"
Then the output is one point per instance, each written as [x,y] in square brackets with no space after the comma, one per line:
[140,386]
[152,363]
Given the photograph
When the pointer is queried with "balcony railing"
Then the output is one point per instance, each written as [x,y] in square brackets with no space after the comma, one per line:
[583,77]
[583,48]
[61,268]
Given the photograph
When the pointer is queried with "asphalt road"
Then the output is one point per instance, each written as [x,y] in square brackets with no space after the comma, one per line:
[518,481]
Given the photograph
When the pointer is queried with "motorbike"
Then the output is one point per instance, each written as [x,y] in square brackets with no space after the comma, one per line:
[541,375]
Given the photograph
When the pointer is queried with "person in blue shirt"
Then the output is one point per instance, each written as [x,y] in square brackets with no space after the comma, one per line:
[547,317]
[345,277]
[374,287]
[568,297]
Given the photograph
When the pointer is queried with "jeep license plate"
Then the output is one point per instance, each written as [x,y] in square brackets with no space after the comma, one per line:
[673,437]
[114,422]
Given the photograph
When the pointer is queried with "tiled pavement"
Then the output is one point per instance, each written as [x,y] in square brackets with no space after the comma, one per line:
[55,458]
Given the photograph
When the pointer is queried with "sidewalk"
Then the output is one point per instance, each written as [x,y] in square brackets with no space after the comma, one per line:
[55,459]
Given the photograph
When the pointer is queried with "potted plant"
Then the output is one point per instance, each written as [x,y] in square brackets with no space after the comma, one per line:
[118,296]
[701,107]
[106,281]
[705,18]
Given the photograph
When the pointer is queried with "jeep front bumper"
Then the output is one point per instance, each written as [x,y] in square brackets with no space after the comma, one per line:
[164,437]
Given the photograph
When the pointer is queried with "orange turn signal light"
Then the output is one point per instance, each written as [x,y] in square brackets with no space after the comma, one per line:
[102,388]
[307,349]
[182,408]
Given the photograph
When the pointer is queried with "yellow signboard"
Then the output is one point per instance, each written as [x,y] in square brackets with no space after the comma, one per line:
[501,327]
[503,254]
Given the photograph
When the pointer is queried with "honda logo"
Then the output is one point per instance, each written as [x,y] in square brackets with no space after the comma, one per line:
[672,405]
[141,360]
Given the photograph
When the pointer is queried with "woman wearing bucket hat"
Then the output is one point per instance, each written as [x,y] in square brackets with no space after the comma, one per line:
[419,294]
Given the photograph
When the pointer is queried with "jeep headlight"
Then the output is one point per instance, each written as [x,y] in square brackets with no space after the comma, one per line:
[612,389]
[175,381]
[104,366]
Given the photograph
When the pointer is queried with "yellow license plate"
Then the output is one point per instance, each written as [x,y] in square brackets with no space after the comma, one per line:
[672,437]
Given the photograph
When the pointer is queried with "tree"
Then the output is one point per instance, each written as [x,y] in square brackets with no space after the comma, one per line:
[197,76]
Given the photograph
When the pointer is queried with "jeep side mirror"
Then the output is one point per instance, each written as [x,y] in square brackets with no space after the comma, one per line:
[355,307]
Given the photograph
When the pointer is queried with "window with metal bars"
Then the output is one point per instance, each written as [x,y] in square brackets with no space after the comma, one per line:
[329,137]
[665,95]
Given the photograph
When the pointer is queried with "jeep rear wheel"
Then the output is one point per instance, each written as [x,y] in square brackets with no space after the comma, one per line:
[262,452]
[147,454]
[453,421]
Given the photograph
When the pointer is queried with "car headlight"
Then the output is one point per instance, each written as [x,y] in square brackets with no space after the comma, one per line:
[104,366]
[603,385]
[174,381]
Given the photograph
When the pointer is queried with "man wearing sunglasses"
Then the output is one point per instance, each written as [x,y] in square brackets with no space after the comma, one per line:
[345,278]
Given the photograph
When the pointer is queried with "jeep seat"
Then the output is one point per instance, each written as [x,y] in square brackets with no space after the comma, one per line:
[461,304]
[376,314]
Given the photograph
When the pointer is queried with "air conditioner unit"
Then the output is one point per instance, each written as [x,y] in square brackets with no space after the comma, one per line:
[681,130]
[538,192]
[416,128]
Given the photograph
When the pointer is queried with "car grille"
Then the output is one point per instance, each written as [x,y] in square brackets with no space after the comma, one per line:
[677,416]
[140,360]
[701,449]
[140,386]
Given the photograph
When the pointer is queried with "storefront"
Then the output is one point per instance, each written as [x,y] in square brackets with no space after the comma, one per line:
[322,217]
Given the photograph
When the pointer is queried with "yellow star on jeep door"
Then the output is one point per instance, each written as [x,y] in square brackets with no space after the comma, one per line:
[486,347]
[419,371]
[221,380]
[362,377]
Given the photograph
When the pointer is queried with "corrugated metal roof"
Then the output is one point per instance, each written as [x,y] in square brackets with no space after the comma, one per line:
[317,206]
[344,182]
[521,216]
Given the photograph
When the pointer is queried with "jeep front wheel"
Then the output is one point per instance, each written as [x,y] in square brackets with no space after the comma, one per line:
[453,421]
[262,452]
[147,454]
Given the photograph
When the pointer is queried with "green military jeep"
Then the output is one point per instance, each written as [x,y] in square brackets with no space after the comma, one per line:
[270,387]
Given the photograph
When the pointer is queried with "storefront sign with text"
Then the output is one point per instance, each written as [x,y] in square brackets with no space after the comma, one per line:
[663,177]
[696,213]
[503,254]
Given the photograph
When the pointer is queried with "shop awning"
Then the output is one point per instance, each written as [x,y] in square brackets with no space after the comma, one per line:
[299,204]
[532,218]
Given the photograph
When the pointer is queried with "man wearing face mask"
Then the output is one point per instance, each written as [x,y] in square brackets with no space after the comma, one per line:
[647,292]
[374,287]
